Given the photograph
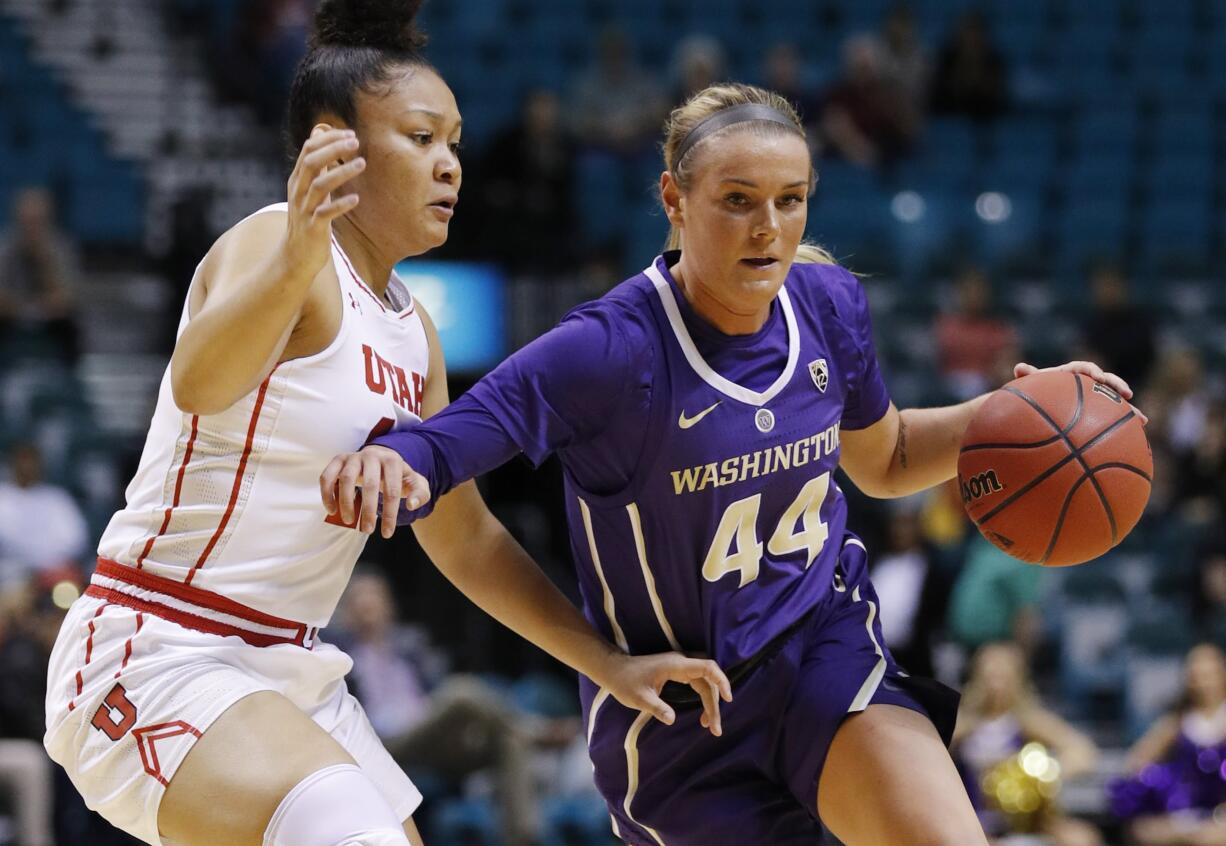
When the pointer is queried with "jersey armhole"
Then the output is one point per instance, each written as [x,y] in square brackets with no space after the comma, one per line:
[653,438]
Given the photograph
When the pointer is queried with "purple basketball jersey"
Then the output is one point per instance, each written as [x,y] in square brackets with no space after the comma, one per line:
[729,527]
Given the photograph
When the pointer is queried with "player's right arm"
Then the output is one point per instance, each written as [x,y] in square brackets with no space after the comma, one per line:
[257,279]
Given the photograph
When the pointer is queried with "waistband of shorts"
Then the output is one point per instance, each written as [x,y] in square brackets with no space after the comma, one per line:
[192,607]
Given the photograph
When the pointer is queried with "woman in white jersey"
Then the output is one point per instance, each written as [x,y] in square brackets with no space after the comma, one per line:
[189,697]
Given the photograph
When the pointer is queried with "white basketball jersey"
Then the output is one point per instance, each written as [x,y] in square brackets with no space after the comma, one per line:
[230,502]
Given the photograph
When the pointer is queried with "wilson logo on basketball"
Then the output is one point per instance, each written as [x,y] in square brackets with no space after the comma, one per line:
[980,486]
[1100,388]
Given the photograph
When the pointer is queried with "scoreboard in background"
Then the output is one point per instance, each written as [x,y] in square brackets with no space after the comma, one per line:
[467,302]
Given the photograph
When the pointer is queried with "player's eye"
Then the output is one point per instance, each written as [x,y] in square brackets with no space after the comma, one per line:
[456,147]
[792,200]
[424,139]
[736,199]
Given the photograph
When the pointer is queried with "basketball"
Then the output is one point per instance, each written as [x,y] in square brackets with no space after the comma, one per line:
[1055,469]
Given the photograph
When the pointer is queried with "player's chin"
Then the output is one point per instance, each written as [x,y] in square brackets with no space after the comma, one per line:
[762,280]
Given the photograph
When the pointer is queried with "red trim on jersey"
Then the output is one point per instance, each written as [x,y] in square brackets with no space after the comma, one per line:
[238,478]
[187,456]
[358,279]
[370,293]
[89,652]
[150,735]
[127,647]
[193,595]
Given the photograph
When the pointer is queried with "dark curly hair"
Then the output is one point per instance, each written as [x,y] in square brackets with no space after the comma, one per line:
[355,45]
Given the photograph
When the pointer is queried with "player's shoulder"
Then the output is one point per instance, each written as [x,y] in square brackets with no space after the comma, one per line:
[826,284]
[623,309]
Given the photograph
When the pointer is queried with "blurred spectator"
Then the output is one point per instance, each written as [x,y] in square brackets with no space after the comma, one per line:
[913,591]
[866,116]
[970,340]
[1177,400]
[451,726]
[1209,595]
[615,106]
[38,267]
[1179,766]
[784,74]
[698,62]
[41,527]
[904,56]
[1118,334]
[1000,713]
[528,219]
[28,626]
[995,598]
[970,77]
[1200,492]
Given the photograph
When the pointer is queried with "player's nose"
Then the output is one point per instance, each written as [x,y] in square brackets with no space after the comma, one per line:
[766,225]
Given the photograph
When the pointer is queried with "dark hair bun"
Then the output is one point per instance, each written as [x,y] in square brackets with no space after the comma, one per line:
[381,24]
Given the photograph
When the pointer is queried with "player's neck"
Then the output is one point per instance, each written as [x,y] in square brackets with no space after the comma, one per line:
[728,317]
[368,262]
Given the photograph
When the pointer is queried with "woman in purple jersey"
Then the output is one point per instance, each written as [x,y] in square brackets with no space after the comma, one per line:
[699,410]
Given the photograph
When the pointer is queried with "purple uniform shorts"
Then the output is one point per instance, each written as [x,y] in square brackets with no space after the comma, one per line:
[757,784]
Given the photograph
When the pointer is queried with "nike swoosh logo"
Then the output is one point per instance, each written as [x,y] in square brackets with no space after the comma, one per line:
[686,422]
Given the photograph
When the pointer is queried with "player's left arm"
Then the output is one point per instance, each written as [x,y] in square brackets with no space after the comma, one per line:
[908,451]
[477,554]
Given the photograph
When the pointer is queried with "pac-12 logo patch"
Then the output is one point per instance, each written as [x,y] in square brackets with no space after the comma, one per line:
[820,373]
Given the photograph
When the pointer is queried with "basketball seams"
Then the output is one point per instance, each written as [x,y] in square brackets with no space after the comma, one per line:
[1060,433]
[1022,491]
[1122,465]
[1074,452]
[1068,501]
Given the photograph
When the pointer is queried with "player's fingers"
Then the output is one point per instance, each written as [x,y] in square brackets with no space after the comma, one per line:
[651,702]
[339,144]
[330,211]
[688,670]
[317,153]
[417,489]
[710,705]
[327,483]
[328,181]
[346,486]
[1023,369]
[372,472]
[393,487]
[1118,385]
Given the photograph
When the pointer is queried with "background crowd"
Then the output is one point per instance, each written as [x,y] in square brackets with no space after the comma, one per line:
[1031,181]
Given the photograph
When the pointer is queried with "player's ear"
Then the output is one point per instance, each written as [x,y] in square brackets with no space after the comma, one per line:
[670,197]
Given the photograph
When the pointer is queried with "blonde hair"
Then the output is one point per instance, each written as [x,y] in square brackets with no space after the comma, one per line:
[701,106]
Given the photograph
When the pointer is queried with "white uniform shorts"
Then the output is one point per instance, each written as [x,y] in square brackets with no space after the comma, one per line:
[143,666]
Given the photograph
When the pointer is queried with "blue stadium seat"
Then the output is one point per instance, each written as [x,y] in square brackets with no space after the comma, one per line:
[1176,233]
[1106,128]
[1179,176]
[1090,228]
[1184,130]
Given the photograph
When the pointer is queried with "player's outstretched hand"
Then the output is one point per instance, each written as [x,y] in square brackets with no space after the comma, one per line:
[355,480]
[636,682]
[1086,368]
[327,161]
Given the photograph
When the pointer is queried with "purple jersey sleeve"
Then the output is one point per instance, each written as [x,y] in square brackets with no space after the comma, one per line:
[563,388]
[558,391]
[867,397]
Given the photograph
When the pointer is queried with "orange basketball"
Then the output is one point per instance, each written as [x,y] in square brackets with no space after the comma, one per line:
[1055,469]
